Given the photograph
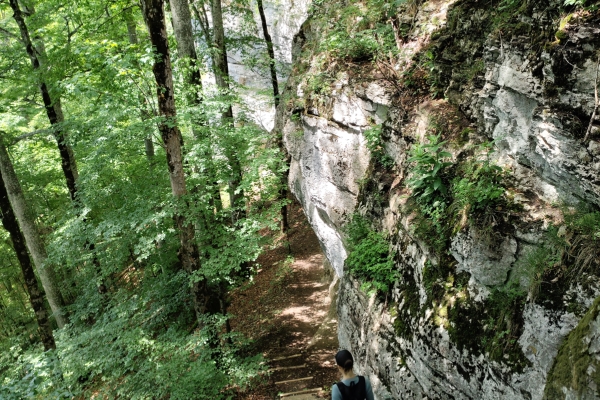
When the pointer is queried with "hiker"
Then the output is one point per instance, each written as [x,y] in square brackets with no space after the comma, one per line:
[351,387]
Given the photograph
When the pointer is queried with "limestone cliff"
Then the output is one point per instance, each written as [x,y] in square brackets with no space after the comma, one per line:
[490,282]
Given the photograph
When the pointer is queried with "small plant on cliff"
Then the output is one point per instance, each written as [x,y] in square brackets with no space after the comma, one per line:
[583,236]
[430,162]
[478,190]
[370,259]
[428,182]
[375,146]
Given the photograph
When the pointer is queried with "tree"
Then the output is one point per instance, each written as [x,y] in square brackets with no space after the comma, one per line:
[284,226]
[155,21]
[270,51]
[220,67]
[36,296]
[182,26]
[34,241]
[221,72]
[53,109]
[144,112]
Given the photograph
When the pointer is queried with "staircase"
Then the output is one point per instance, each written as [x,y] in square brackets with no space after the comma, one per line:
[292,378]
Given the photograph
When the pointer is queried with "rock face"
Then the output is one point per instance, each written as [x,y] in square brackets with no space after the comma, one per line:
[283,20]
[534,99]
[329,160]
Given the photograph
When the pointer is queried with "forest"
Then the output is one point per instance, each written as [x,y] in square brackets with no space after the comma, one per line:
[134,189]
[414,181]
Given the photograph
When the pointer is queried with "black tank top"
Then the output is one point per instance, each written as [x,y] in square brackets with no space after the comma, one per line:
[356,391]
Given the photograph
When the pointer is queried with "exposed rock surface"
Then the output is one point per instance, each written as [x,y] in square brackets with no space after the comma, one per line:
[535,101]
[284,18]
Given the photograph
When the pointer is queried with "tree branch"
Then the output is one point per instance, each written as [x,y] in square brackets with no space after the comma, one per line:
[30,134]
[9,33]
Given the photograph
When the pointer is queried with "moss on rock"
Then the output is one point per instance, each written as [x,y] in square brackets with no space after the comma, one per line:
[575,368]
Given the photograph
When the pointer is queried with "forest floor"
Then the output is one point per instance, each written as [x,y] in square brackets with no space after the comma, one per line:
[286,312]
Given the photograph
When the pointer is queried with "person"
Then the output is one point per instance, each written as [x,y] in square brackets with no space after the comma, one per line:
[351,386]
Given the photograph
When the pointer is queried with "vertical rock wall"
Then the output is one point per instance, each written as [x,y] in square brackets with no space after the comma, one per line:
[535,103]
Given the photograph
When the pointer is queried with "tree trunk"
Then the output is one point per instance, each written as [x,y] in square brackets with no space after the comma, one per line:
[221,71]
[155,20]
[33,239]
[220,66]
[284,225]
[145,114]
[36,296]
[182,24]
[271,52]
[53,109]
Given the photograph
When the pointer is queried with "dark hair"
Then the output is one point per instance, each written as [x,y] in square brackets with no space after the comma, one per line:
[344,359]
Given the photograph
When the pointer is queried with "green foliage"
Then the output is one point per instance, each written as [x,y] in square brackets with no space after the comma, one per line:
[475,194]
[478,185]
[428,182]
[134,346]
[534,265]
[578,3]
[429,164]
[364,45]
[580,241]
[369,258]
[376,146]
[356,31]
[569,252]
[134,341]
[431,225]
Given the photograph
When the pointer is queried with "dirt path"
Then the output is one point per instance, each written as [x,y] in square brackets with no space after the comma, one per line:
[286,311]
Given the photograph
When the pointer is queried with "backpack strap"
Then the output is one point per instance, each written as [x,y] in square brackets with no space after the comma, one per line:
[356,391]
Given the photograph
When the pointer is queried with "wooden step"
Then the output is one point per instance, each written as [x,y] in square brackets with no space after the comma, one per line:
[294,380]
[286,368]
[300,392]
[287,358]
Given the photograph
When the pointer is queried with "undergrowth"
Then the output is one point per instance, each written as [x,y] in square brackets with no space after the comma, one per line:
[133,345]
[447,196]
[569,251]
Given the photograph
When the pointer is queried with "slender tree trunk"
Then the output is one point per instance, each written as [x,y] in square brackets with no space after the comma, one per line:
[36,296]
[145,114]
[36,246]
[284,225]
[182,24]
[271,52]
[131,28]
[155,20]
[220,67]
[202,19]
[221,71]
[53,109]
